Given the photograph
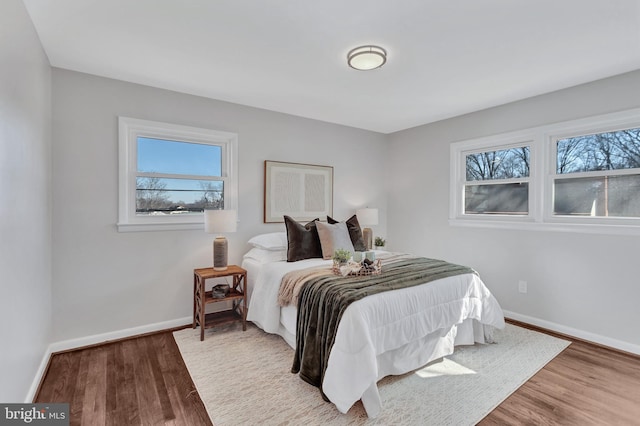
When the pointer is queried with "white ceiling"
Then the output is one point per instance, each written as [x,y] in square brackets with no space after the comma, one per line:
[446,58]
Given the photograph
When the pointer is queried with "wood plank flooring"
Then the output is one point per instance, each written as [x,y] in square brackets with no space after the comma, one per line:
[585,385]
[143,381]
[138,381]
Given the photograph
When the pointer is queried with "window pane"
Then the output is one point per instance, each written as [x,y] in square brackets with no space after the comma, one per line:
[184,158]
[600,151]
[509,198]
[603,196]
[503,164]
[174,196]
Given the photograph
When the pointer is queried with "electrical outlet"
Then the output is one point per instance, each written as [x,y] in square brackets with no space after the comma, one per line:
[522,286]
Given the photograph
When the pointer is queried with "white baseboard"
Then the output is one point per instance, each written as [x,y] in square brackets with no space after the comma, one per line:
[39,374]
[574,332]
[97,338]
[119,334]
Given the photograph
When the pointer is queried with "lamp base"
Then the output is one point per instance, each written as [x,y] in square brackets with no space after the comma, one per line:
[367,236]
[220,253]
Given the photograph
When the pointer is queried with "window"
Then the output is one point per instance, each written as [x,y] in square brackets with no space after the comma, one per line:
[598,175]
[581,175]
[492,179]
[497,182]
[169,174]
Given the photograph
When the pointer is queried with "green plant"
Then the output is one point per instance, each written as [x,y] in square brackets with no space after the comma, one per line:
[380,242]
[341,255]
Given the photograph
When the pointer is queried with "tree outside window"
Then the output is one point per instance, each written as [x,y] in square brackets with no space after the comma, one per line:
[595,175]
[497,182]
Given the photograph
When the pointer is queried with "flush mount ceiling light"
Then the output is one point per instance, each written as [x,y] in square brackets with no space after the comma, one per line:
[366,58]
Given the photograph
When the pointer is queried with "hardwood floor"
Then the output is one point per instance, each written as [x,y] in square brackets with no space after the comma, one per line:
[143,381]
[585,385]
[138,381]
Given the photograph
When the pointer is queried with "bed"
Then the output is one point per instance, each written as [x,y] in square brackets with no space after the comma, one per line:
[389,333]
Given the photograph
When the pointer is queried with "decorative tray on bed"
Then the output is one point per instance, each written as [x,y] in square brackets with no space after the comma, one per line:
[357,268]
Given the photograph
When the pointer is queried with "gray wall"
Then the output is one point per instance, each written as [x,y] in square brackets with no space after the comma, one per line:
[584,284]
[25,210]
[106,281]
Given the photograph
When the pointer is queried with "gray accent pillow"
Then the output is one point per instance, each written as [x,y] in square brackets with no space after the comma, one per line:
[355,232]
[332,237]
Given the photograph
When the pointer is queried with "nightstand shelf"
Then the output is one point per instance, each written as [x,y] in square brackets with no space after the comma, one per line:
[214,319]
[231,296]
[236,297]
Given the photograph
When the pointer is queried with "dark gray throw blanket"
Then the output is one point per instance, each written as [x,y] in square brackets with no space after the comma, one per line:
[323,300]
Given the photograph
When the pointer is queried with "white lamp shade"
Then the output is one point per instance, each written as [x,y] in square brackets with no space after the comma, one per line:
[220,221]
[367,216]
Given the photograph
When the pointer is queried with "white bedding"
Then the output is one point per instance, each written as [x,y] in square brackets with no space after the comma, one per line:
[388,333]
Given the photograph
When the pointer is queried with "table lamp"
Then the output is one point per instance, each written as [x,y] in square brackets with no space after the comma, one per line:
[366,217]
[217,222]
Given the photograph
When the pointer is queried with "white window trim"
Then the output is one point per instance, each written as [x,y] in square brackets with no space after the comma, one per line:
[459,150]
[129,130]
[542,175]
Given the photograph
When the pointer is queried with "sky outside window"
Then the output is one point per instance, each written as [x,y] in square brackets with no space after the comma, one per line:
[171,157]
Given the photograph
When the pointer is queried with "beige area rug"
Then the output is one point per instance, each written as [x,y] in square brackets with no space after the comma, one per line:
[244,379]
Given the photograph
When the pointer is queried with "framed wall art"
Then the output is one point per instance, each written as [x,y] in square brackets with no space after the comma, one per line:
[302,191]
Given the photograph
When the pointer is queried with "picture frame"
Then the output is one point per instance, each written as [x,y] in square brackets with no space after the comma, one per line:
[302,191]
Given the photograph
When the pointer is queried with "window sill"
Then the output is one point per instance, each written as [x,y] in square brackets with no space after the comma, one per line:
[158,226]
[585,228]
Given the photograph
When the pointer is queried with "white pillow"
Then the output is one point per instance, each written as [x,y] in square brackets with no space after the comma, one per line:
[333,237]
[272,241]
[266,256]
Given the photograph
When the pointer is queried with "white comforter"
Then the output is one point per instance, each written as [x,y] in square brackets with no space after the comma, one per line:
[387,333]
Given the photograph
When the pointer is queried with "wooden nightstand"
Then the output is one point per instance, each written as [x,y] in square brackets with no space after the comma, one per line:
[237,296]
